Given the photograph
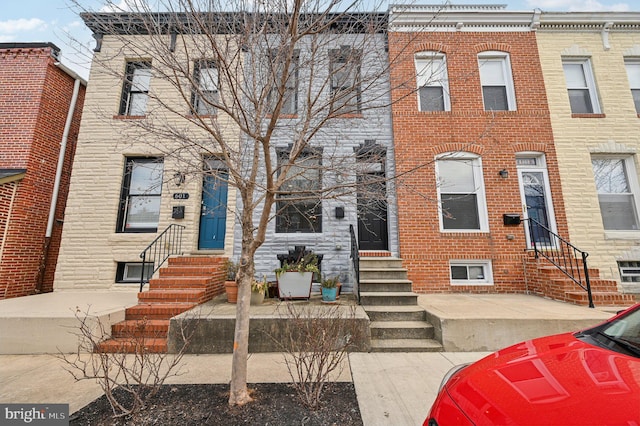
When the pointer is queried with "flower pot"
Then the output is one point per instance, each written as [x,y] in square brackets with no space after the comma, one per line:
[329,294]
[257,298]
[295,285]
[231,288]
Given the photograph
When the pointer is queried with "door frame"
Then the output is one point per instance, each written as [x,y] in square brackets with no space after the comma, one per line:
[539,167]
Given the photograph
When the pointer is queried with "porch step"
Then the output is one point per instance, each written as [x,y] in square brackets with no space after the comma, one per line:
[133,345]
[601,298]
[383,273]
[388,298]
[178,296]
[405,345]
[396,313]
[152,311]
[188,271]
[179,282]
[138,328]
[401,330]
[385,285]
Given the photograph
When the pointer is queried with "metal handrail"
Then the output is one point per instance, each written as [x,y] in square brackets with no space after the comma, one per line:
[168,243]
[355,259]
[563,255]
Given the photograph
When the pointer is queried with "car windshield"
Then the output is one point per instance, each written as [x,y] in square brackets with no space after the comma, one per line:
[621,334]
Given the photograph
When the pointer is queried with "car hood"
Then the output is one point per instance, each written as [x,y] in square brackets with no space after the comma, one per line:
[552,380]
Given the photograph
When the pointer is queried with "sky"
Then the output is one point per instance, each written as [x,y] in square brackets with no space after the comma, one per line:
[57,21]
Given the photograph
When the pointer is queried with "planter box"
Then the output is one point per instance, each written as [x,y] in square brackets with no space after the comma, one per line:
[295,285]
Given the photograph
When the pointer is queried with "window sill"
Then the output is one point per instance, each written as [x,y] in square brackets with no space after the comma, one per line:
[350,115]
[464,232]
[129,117]
[203,116]
[622,235]
[435,112]
[285,116]
[500,111]
[470,284]
[588,115]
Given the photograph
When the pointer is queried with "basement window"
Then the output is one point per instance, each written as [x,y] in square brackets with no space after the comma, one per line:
[129,272]
[629,271]
[470,272]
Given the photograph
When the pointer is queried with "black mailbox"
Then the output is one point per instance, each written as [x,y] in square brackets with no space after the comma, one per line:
[339,212]
[511,219]
[178,212]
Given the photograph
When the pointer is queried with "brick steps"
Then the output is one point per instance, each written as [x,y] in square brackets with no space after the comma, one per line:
[182,285]
[553,283]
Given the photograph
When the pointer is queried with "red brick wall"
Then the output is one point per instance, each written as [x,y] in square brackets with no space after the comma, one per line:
[34,100]
[495,136]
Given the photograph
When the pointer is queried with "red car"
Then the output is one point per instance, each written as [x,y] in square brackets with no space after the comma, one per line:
[587,378]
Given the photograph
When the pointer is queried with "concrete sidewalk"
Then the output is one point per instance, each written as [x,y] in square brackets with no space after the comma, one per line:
[392,388]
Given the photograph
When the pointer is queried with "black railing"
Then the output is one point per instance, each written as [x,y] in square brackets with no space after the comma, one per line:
[562,254]
[355,259]
[166,244]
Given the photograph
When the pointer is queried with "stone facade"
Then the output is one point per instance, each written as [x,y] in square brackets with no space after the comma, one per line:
[35,97]
[606,40]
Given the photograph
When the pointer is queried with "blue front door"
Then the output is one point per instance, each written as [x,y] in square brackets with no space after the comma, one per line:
[213,215]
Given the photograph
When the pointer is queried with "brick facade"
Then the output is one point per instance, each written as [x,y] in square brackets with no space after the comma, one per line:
[496,137]
[35,95]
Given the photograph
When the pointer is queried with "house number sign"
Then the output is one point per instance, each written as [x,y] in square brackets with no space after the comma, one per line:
[181,196]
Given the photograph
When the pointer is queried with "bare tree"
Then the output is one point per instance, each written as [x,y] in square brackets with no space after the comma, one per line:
[257,86]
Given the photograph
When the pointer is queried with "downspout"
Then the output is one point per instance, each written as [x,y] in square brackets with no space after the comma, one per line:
[61,157]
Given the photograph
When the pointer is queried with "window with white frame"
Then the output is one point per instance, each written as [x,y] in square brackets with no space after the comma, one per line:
[470,272]
[461,193]
[433,85]
[140,195]
[205,94]
[629,271]
[633,72]
[581,86]
[132,272]
[617,186]
[498,93]
[135,89]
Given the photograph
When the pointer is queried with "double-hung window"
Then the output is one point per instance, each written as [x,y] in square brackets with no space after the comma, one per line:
[633,72]
[135,89]
[288,84]
[617,187]
[298,204]
[461,193]
[581,86]
[344,69]
[433,86]
[498,93]
[205,94]
[140,195]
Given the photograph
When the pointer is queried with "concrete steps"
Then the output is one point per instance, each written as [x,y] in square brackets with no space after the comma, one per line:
[180,286]
[398,324]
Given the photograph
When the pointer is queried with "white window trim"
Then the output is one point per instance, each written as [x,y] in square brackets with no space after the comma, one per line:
[506,67]
[488,269]
[444,82]
[634,187]
[478,177]
[587,69]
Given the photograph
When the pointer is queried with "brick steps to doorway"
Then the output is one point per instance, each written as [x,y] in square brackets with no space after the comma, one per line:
[398,324]
[553,283]
[182,285]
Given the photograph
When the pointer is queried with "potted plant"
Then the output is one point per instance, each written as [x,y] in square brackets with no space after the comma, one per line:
[330,289]
[294,279]
[258,289]
[230,285]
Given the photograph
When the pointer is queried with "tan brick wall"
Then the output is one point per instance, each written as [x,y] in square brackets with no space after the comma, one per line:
[91,247]
[577,138]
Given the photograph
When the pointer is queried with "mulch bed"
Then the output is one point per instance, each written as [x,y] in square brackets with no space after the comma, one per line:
[274,404]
